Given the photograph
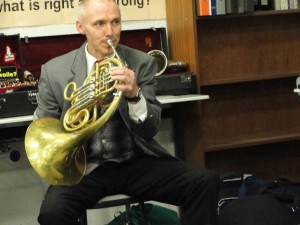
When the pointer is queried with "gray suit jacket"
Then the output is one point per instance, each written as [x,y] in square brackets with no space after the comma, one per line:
[58,72]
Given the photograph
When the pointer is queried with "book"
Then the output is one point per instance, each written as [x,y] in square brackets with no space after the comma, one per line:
[293,4]
[231,6]
[203,7]
[213,7]
[240,6]
[249,5]
[263,4]
[221,7]
[277,5]
[284,5]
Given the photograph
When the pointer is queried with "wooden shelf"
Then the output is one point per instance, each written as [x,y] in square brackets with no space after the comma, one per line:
[251,14]
[247,63]
[248,48]
[252,142]
[250,77]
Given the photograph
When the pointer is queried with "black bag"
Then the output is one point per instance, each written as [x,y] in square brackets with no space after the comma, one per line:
[285,191]
[237,185]
[257,210]
[249,200]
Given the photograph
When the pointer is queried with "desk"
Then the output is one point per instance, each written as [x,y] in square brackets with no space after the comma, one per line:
[163,99]
[15,121]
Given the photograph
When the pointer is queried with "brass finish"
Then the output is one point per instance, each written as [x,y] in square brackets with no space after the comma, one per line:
[161,61]
[54,148]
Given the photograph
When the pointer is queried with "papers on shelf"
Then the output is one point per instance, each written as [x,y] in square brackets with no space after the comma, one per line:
[165,99]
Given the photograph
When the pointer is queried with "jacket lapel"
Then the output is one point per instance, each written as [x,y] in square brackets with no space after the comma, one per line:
[79,67]
[79,71]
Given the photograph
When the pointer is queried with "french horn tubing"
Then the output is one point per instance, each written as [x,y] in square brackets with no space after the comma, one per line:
[54,147]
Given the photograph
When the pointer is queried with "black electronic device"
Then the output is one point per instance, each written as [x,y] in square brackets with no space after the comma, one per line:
[176,84]
[18,103]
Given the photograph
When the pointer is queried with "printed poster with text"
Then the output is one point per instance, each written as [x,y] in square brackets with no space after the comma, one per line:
[22,13]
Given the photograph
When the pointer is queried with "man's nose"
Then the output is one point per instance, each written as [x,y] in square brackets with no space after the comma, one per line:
[109,29]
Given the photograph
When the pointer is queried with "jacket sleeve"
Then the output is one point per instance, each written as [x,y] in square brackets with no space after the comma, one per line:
[145,73]
[47,103]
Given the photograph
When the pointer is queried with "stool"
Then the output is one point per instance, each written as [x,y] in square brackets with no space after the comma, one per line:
[118,200]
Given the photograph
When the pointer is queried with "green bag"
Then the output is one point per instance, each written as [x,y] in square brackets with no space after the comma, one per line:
[155,214]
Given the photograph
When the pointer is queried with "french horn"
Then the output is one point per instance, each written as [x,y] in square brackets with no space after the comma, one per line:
[165,64]
[161,60]
[54,147]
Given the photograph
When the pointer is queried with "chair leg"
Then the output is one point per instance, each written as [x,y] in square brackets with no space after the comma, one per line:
[143,214]
[142,211]
[83,219]
[127,216]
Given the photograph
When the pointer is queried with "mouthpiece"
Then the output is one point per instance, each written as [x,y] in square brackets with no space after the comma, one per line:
[109,42]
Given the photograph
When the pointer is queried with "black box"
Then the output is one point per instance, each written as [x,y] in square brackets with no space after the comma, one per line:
[176,84]
[18,103]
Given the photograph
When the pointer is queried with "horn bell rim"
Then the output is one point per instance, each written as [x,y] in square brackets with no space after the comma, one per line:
[65,166]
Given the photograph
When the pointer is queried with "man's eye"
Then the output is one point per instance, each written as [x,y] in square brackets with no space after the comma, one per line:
[117,22]
[98,24]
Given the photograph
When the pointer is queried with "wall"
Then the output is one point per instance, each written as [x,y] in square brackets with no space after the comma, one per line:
[21,190]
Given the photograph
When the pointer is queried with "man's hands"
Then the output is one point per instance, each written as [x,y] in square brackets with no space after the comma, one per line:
[127,81]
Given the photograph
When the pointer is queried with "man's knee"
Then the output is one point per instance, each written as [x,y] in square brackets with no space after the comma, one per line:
[52,215]
[212,178]
[208,180]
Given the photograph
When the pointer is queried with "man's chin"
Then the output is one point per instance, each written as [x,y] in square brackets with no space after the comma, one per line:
[105,51]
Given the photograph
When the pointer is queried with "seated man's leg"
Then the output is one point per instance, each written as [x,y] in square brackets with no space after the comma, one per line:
[171,181]
[201,199]
[59,208]
[64,205]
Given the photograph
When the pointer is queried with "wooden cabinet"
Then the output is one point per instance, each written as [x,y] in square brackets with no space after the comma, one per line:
[248,65]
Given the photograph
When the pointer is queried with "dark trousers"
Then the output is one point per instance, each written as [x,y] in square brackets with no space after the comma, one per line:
[165,180]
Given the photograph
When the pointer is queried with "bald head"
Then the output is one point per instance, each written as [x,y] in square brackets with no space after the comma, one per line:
[83,4]
[99,21]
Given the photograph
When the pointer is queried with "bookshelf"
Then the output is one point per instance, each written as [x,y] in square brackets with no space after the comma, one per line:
[248,64]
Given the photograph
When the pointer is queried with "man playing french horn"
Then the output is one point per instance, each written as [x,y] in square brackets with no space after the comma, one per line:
[122,156]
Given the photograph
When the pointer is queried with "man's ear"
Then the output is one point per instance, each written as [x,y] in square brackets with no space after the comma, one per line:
[79,27]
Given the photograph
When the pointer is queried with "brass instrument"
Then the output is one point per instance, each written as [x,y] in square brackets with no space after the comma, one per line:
[161,61]
[54,148]
[164,64]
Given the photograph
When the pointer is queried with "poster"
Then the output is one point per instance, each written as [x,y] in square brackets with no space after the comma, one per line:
[23,13]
